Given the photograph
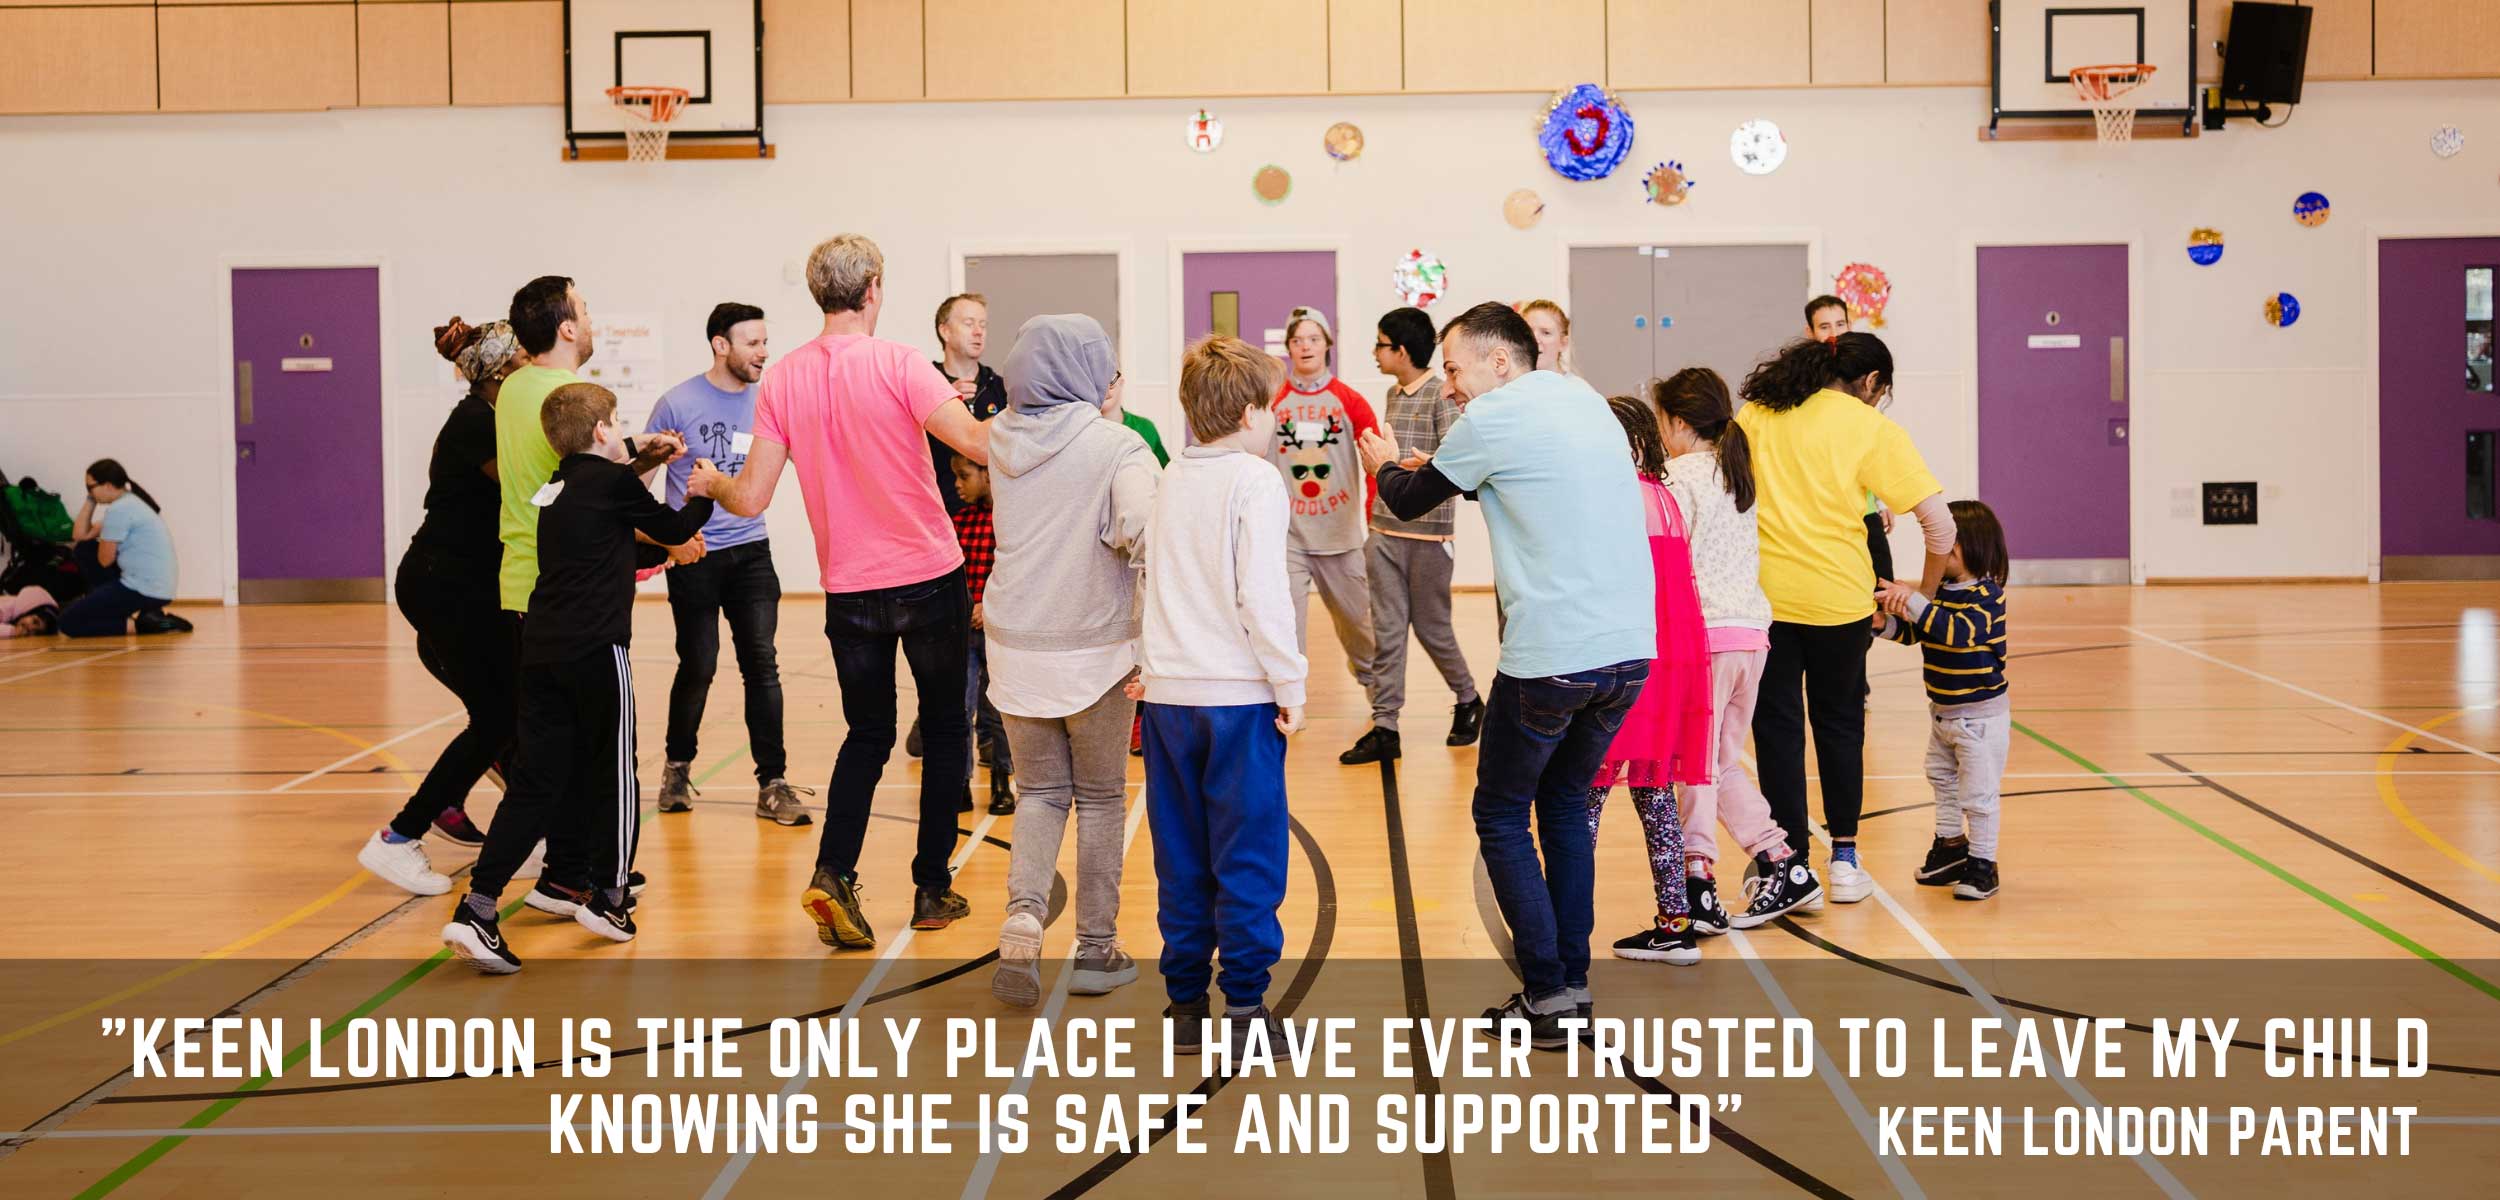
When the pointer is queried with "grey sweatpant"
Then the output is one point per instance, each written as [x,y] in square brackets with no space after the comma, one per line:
[1075,762]
[1410,587]
[1345,589]
[1966,750]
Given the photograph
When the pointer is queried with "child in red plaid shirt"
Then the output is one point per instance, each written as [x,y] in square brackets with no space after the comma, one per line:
[978,534]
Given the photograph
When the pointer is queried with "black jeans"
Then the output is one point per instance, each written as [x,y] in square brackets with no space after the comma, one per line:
[572,773]
[740,583]
[471,645]
[1819,669]
[931,621]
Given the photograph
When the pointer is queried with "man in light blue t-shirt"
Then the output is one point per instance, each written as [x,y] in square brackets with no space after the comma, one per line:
[715,413]
[1553,470]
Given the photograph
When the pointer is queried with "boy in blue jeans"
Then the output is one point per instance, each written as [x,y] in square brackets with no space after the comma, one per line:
[1222,681]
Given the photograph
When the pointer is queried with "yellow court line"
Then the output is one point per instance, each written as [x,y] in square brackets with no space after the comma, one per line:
[2404,814]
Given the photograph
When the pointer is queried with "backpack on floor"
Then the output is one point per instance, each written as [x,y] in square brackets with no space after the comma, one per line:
[36,512]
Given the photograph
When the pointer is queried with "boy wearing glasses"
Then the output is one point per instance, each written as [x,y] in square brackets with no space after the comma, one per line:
[1409,562]
[1318,419]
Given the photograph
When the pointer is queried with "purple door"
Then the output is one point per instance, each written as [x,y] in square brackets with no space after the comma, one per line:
[2053,405]
[2437,417]
[308,435]
[1254,291]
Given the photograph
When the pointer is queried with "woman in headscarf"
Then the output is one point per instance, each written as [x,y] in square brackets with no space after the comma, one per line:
[447,590]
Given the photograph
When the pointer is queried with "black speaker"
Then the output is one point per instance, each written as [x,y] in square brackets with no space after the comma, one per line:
[2266,56]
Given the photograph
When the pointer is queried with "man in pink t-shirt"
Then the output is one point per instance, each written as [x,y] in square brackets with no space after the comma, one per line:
[855,412]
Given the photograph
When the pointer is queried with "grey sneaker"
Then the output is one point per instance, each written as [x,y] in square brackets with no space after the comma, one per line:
[778,802]
[1101,969]
[1019,978]
[676,790]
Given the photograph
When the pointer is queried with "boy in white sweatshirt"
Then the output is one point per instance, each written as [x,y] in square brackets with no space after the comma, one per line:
[1223,686]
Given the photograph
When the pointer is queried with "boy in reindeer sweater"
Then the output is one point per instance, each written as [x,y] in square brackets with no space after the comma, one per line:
[1317,419]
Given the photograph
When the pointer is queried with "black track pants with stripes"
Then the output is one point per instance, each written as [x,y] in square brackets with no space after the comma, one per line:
[573,769]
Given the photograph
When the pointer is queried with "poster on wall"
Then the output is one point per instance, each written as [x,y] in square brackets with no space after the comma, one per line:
[627,359]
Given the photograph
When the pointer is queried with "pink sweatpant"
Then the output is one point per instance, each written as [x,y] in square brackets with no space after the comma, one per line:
[1735,677]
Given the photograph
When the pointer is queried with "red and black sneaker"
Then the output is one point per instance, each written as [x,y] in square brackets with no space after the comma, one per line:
[454,824]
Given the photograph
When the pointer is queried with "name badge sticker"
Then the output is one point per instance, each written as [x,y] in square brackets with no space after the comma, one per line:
[741,443]
[547,495]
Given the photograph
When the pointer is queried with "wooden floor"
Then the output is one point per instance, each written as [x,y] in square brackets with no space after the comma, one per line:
[2238,800]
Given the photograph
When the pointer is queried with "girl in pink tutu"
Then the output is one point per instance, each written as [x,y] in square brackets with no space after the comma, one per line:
[1665,739]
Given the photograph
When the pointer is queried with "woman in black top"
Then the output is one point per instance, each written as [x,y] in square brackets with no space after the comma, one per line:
[447,589]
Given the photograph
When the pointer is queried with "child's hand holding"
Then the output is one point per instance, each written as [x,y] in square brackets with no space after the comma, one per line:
[1289,719]
[1135,688]
[1893,597]
[976,615]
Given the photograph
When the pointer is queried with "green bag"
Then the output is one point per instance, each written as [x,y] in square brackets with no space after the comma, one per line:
[38,512]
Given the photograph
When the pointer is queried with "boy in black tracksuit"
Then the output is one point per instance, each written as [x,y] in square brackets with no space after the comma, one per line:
[575,756]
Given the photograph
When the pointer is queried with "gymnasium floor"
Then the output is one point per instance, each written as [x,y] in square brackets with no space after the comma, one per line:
[2255,800]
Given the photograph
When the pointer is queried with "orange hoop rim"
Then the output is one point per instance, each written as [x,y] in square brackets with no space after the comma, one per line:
[2097,82]
[657,105]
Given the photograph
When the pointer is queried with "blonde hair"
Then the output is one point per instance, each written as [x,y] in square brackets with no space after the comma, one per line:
[841,269]
[1221,378]
[1561,318]
[571,416]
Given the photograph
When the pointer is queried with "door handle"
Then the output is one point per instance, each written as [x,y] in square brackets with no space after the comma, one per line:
[2118,370]
[243,392]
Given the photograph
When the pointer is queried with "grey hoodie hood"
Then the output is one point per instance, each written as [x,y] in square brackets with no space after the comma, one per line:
[1057,360]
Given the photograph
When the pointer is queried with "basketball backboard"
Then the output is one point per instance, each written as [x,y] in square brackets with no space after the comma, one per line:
[2037,42]
[711,48]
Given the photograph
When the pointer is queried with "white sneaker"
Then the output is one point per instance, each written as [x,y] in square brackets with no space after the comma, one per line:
[536,864]
[1018,981]
[1848,883]
[403,864]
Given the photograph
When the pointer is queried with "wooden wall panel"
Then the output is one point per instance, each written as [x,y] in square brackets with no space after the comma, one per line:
[1936,41]
[1014,50]
[1499,46]
[1366,45]
[507,53]
[887,54]
[1706,43]
[77,60]
[2435,39]
[256,58]
[1227,47]
[1848,42]
[2339,39]
[807,51]
[403,54]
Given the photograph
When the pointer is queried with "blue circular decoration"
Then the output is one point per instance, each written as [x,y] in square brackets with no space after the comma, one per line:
[2311,209]
[2205,247]
[2283,310]
[1586,133]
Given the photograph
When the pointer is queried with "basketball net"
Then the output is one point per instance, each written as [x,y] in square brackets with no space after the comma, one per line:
[2109,91]
[648,112]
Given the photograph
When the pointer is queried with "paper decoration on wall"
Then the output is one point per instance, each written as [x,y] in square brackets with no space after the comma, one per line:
[2447,140]
[1523,208]
[1866,290]
[1585,132]
[1344,141]
[1205,132]
[2311,209]
[2282,309]
[1272,183]
[1667,185]
[1758,147]
[2204,246]
[1420,278]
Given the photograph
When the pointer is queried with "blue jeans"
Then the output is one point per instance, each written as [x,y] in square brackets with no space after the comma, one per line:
[989,730]
[1215,802]
[1543,741]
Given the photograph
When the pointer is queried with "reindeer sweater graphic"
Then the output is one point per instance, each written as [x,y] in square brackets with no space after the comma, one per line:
[1324,481]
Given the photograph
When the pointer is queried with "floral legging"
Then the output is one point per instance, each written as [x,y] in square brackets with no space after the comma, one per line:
[1665,834]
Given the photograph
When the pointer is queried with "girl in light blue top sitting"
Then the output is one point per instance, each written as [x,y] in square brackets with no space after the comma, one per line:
[126,553]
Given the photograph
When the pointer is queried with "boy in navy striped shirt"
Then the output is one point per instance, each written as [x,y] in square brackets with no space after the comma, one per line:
[1961,634]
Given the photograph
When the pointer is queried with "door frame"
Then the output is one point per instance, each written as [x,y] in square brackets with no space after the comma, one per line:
[227,265]
[2371,235]
[1968,292]
[1176,303]
[1121,249]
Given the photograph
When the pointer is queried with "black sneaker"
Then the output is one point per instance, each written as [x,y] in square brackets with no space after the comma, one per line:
[833,903]
[1186,1023]
[1380,745]
[633,885]
[554,899]
[937,908]
[454,824]
[1701,898]
[1779,888]
[911,740]
[965,805]
[478,941]
[1945,861]
[1237,1033]
[1466,723]
[159,622]
[1979,880]
[1002,793]
[1545,1031]
[614,922]
[1661,944]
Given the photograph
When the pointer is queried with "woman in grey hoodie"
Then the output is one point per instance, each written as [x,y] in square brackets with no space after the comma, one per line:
[1073,493]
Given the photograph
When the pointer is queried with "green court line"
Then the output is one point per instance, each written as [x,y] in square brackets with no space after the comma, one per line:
[2314,892]
[208,1116]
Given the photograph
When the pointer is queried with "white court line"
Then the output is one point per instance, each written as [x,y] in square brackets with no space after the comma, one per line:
[1894,1169]
[2320,697]
[738,1163]
[84,658]
[367,752]
[978,1186]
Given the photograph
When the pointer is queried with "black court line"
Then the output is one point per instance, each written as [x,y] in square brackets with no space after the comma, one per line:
[2098,787]
[2384,871]
[1438,1181]
[2189,641]
[1323,934]
[2419,750]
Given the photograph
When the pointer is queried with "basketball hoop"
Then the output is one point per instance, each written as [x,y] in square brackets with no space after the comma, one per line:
[2109,91]
[648,112]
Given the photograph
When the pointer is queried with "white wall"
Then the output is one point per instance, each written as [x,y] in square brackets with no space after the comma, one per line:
[118,227]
